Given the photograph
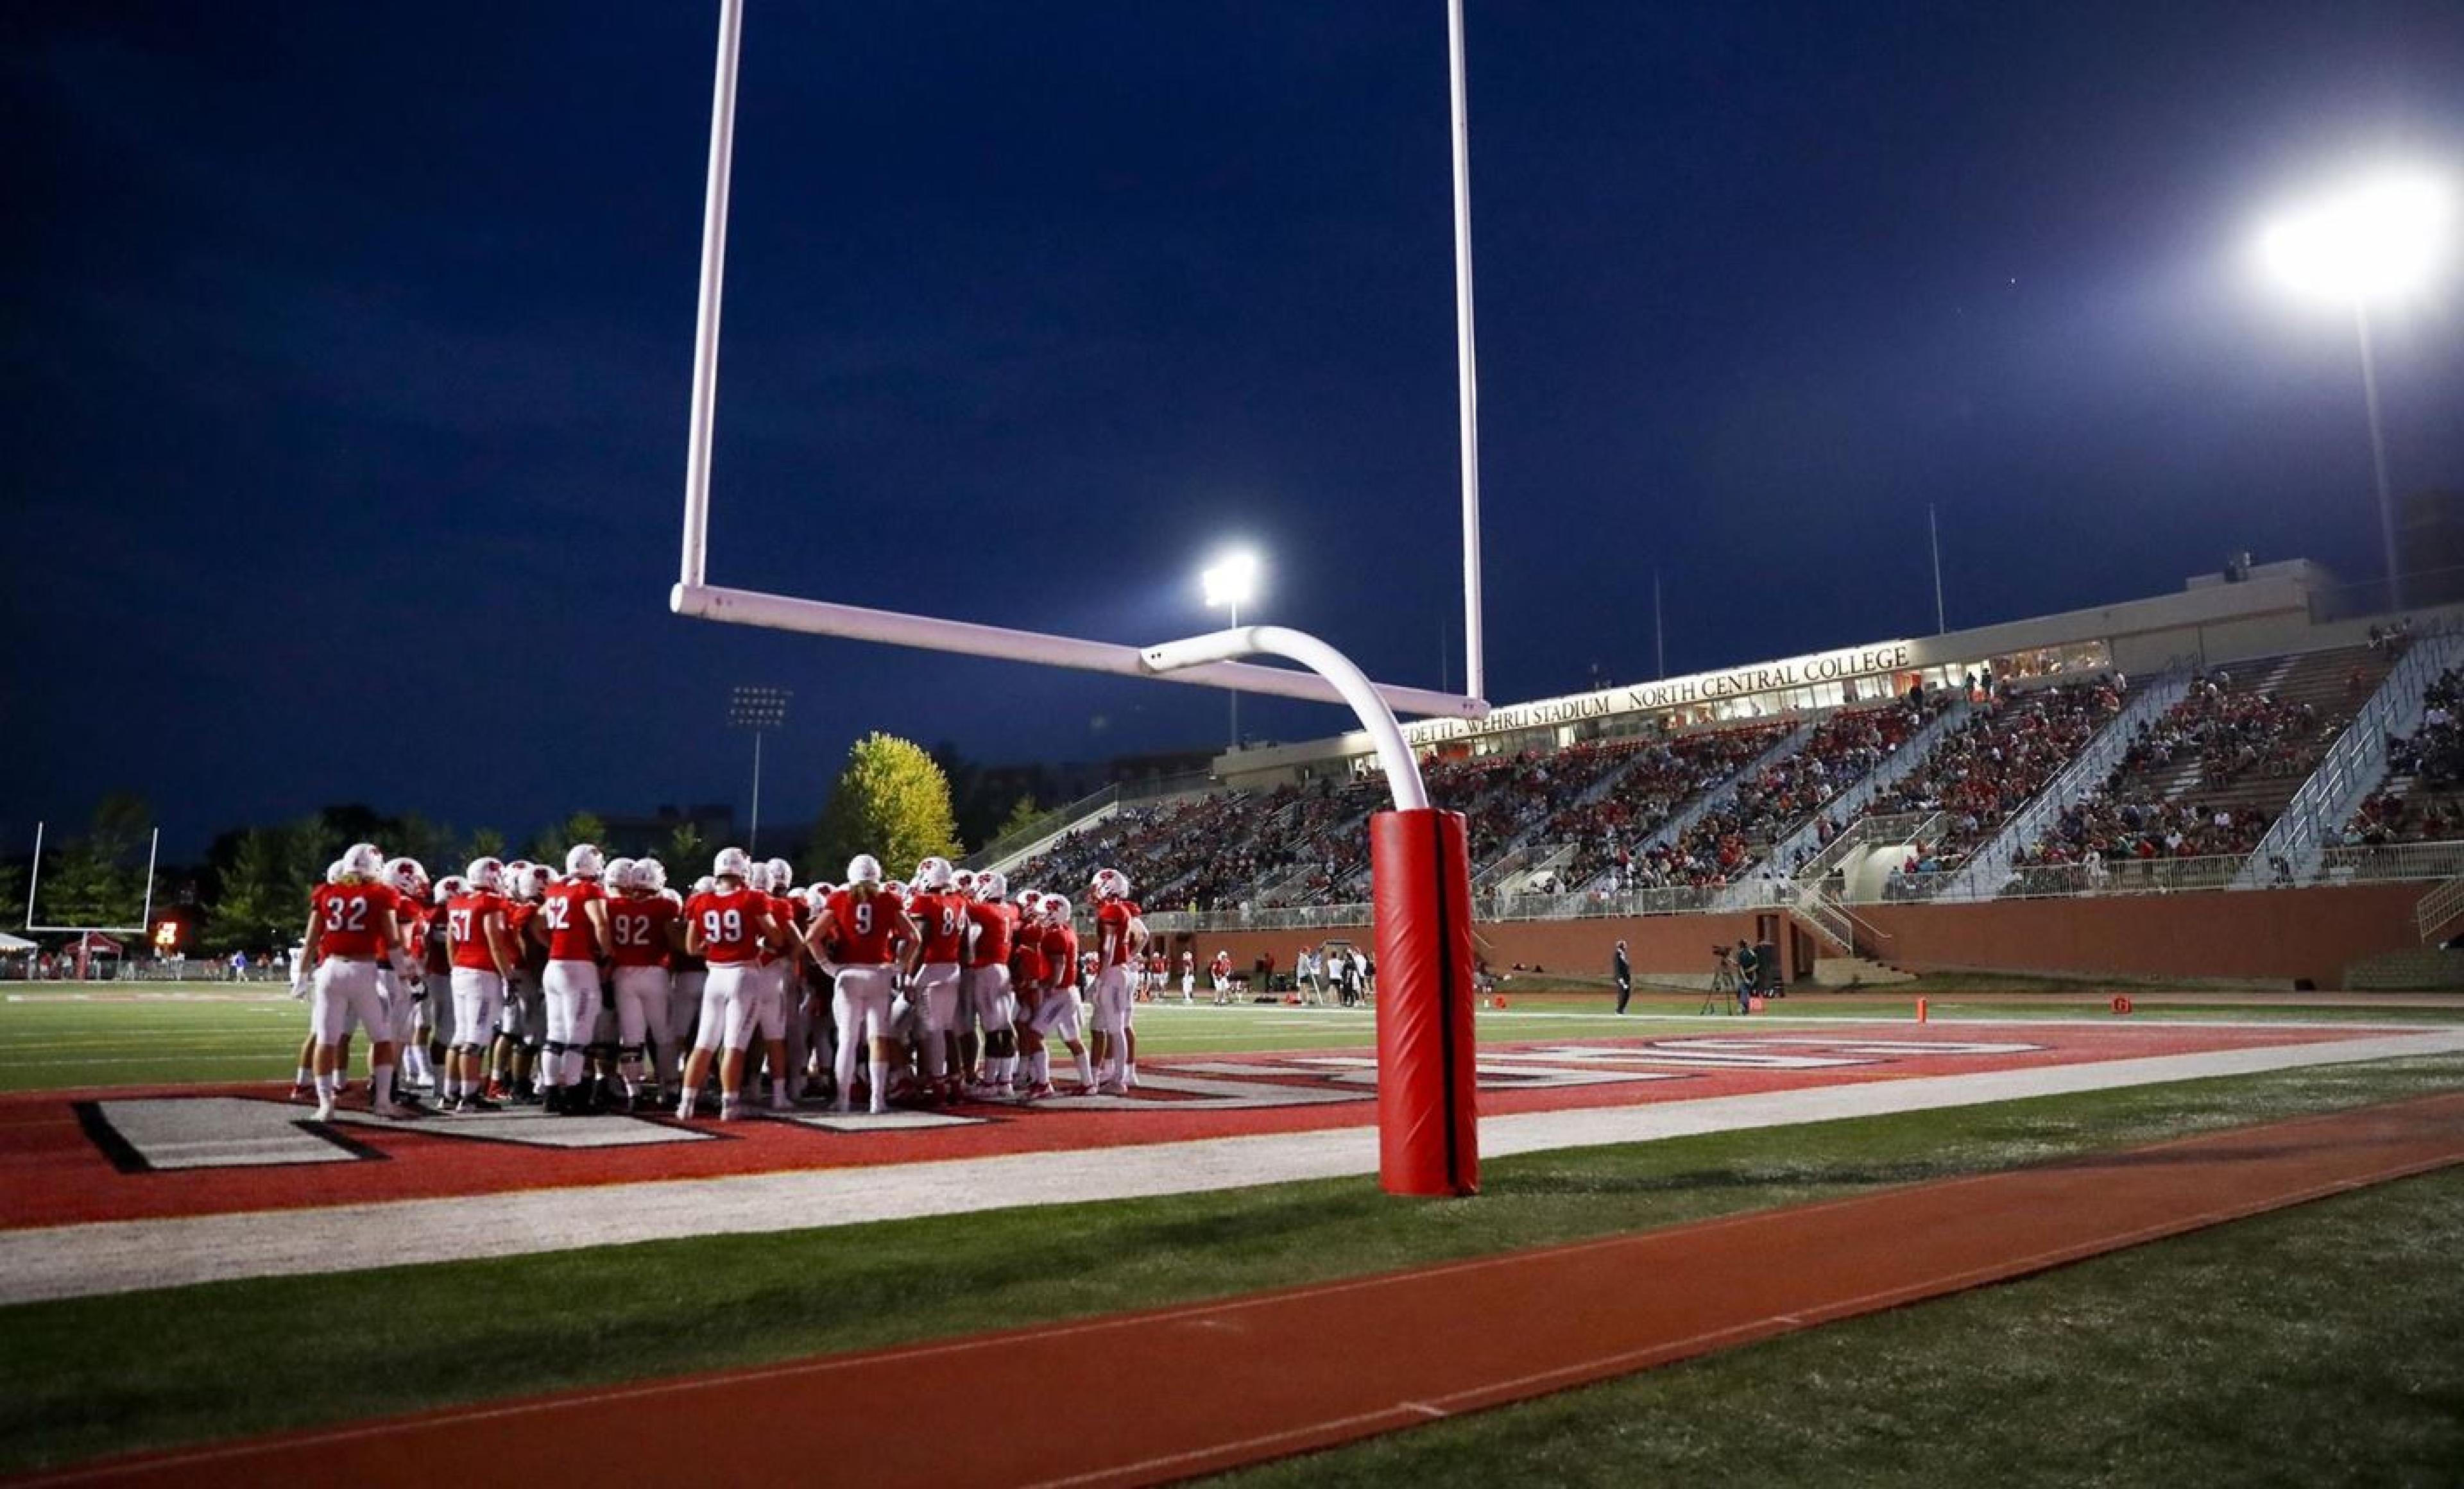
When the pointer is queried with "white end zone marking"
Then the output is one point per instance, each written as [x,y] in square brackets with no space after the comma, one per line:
[219,1132]
[870,1122]
[531,1127]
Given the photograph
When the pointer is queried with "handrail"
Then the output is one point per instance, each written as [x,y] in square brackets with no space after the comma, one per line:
[2439,907]
[1044,825]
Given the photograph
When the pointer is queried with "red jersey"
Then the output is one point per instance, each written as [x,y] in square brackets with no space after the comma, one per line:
[349,916]
[410,926]
[438,945]
[569,936]
[730,923]
[790,915]
[865,924]
[466,929]
[637,931]
[1061,955]
[1113,920]
[996,926]
[943,919]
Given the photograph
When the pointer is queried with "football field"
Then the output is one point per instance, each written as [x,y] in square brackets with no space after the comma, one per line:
[191,1272]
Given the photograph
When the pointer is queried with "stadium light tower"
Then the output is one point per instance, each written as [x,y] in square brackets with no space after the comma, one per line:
[759,709]
[1231,582]
[2377,241]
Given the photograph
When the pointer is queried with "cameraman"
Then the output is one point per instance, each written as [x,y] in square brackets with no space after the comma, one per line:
[1622,971]
[1746,968]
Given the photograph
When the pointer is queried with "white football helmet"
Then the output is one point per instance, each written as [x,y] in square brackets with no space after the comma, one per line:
[864,869]
[1028,900]
[933,874]
[486,873]
[584,860]
[532,883]
[451,886]
[620,873]
[1110,884]
[654,873]
[334,872]
[963,881]
[783,875]
[704,884]
[404,875]
[1056,908]
[363,860]
[732,863]
[672,898]
[991,885]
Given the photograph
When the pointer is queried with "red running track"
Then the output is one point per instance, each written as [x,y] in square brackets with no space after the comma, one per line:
[1215,1385]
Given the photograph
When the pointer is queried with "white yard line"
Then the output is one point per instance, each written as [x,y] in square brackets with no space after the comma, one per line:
[129,1256]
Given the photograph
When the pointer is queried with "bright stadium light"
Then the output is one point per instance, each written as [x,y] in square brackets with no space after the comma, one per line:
[1231,582]
[759,709]
[2378,241]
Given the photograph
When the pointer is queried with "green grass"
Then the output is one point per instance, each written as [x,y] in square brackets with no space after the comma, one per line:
[2317,1346]
[93,1375]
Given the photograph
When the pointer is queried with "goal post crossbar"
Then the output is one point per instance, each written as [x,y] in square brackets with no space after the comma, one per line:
[891,627]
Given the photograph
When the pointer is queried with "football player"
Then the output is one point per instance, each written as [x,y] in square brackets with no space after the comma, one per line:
[686,987]
[861,932]
[641,933]
[350,930]
[436,977]
[486,959]
[574,911]
[730,927]
[1120,936]
[991,989]
[524,1024]
[941,922]
[404,991]
[1057,1009]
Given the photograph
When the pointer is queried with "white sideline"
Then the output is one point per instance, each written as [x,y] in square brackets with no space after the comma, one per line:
[130,1255]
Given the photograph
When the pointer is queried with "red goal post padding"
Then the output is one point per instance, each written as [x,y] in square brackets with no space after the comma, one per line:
[1428,1137]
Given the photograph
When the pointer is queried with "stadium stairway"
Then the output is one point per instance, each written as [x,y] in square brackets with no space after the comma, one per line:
[2354,766]
[1989,867]
[1726,790]
[1848,807]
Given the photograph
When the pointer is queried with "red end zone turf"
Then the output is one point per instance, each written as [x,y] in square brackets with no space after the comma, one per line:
[132,1153]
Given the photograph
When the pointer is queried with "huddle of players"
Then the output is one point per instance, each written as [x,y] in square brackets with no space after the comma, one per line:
[568,988]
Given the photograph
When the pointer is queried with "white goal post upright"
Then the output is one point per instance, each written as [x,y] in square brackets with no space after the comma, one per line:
[1419,856]
[145,916]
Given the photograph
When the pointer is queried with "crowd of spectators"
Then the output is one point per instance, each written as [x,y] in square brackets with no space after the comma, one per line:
[1608,835]
[1726,843]
[2228,735]
[2418,803]
[1991,765]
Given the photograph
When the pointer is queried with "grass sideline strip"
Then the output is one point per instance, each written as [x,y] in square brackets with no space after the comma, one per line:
[2314,1346]
[86,1376]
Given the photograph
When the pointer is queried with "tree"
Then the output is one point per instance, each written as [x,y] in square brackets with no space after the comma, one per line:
[683,847]
[892,801]
[1023,813]
[265,889]
[551,846]
[485,842]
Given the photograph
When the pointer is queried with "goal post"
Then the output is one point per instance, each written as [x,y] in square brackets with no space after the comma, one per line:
[1420,862]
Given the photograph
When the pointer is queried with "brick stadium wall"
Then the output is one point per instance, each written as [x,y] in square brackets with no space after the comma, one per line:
[2277,934]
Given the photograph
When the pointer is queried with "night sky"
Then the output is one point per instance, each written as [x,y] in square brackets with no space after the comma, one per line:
[349,347]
